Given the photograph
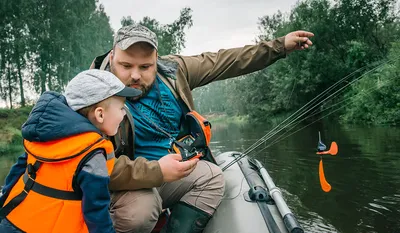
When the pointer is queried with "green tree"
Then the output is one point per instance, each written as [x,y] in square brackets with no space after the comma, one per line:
[12,50]
[171,37]
[377,97]
[349,35]
[45,43]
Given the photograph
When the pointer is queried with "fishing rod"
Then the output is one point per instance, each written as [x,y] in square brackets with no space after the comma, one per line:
[279,127]
[275,130]
[282,138]
[352,99]
[321,148]
[296,122]
[300,112]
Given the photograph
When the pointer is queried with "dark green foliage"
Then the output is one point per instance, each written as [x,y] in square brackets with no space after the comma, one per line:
[43,44]
[348,35]
[11,121]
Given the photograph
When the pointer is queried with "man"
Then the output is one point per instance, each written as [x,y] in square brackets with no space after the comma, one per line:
[149,179]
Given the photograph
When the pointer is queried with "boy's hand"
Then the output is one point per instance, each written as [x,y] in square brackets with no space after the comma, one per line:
[173,169]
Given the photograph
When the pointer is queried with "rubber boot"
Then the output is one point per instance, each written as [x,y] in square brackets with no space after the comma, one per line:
[185,218]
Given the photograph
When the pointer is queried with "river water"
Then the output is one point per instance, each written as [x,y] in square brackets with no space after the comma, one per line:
[365,175]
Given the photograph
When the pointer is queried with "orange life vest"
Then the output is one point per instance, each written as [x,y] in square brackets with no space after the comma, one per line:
[46,197]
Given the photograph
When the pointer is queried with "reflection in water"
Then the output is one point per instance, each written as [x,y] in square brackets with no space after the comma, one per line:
[365,175]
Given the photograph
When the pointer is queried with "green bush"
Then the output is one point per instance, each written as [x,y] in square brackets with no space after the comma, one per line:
[11,121]
[376,98]
[11,141]
[14,118]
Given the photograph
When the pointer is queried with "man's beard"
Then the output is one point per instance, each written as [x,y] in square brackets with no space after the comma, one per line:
[144,88]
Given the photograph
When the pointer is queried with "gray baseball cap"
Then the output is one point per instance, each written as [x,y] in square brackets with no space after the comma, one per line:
[128,35]
[93,86]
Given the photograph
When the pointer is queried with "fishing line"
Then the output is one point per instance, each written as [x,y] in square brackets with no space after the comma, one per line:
[320,102]
[260,141]
[212,176]
[241,187]
[282,138]
[301,113]
[276,130]
[291,93]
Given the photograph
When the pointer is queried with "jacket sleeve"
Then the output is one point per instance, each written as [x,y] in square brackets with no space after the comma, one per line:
[228,63]
[93,180]
[16,171]
[135,174]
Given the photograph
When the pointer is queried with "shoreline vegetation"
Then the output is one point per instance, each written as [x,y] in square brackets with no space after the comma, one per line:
[11,121]
[224,118]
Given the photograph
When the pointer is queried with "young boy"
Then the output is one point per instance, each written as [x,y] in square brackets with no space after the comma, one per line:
[60,184]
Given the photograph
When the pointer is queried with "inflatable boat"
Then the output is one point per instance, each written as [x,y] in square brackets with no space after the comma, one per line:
[251,203]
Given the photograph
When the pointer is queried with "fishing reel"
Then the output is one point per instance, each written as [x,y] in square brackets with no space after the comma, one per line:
[187,155]
[186,149]
[194,139]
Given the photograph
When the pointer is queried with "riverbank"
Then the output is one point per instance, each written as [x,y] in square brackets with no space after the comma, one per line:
[11,121]
[223,118]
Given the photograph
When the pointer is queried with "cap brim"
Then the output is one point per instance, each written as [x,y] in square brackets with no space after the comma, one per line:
[129,92]
[126,43]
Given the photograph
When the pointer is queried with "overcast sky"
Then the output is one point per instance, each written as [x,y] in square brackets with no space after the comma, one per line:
[216,23]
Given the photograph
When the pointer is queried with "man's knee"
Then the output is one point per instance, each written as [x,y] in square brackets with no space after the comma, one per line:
[210,177]
[208,187]
[135,211]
